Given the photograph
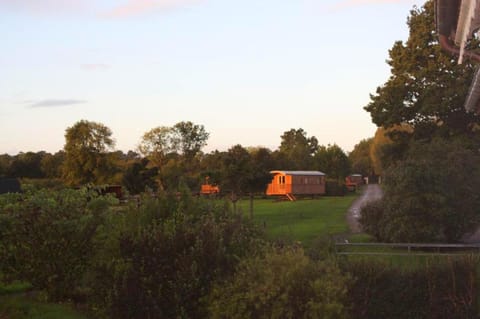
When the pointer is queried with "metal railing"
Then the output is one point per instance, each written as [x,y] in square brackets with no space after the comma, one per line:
[407,249]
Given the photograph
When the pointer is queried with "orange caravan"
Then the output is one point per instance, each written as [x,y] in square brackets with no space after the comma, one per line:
[291,183]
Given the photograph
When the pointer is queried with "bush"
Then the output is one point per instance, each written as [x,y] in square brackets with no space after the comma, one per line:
[335,187]
[371,217]
[442,288]
[160,260]
[47,238]
[283,283]
[430,195]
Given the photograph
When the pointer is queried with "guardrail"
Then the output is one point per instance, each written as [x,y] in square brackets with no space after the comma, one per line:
[408,249]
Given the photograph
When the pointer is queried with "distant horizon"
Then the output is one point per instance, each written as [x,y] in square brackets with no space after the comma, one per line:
[246,71]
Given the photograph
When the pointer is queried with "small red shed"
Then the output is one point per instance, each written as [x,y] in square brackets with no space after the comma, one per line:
[290,183]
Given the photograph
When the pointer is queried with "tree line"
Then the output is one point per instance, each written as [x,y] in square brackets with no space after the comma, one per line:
[167,156]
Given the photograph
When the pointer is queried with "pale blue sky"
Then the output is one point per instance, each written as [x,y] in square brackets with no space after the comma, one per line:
[247,70]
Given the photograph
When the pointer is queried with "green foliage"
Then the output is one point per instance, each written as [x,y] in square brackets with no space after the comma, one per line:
[52,164]
[371,218]
[138,177]
[189,138]
[335,187]
[283,283]
[184,138]
[360,158]
[237,169]
[296,150]
[430,196]
[86,158]
[160,260]
[427,88]
[441,288]
[333,161]
[27,165]
[46,237]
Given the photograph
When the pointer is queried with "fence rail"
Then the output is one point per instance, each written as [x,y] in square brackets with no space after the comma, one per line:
[406,249]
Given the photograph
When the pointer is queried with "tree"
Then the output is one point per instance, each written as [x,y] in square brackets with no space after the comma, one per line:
[52,164]
[27,165]
[47,237]
[262,161]
[156,144]
[360,158]
[189,138]
[298,149]
[426,88]
[184,138]
[5,162]
[237,169]
[138,177]
[333,161]
[431,196]
[86,147]
[389,146]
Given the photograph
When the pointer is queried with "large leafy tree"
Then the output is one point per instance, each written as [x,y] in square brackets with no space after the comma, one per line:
[173,150]
[189,138]
[427,88]
[52,164]
[432,195]
[360,158]
[184,138]
[297,150]
[27,165]
[237,169]
[156,144]
[86,153]
[138,177]
[333,161]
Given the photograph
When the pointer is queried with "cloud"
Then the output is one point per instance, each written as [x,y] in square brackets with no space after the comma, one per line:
[95,66]
[355,3]
[55,103]
[138,7]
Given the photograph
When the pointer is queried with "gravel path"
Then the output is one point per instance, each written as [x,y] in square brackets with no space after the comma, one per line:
[370,192]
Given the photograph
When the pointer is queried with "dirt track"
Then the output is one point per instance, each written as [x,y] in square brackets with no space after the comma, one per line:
[369,193]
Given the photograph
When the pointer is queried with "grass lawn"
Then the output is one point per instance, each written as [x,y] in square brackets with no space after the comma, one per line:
[15,304]
[302,220]
[21,307]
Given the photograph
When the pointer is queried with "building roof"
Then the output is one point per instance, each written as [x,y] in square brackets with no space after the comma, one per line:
[298,173]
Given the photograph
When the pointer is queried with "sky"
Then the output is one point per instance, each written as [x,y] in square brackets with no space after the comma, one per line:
[246,70]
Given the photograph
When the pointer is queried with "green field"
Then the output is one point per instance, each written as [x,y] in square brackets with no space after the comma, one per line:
[21,307]
[302,220]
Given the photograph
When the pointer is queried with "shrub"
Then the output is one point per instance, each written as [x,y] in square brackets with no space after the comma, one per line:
[283,283]
[371,217]
[47,237]
[441,288]
[335,187]
[160,260]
